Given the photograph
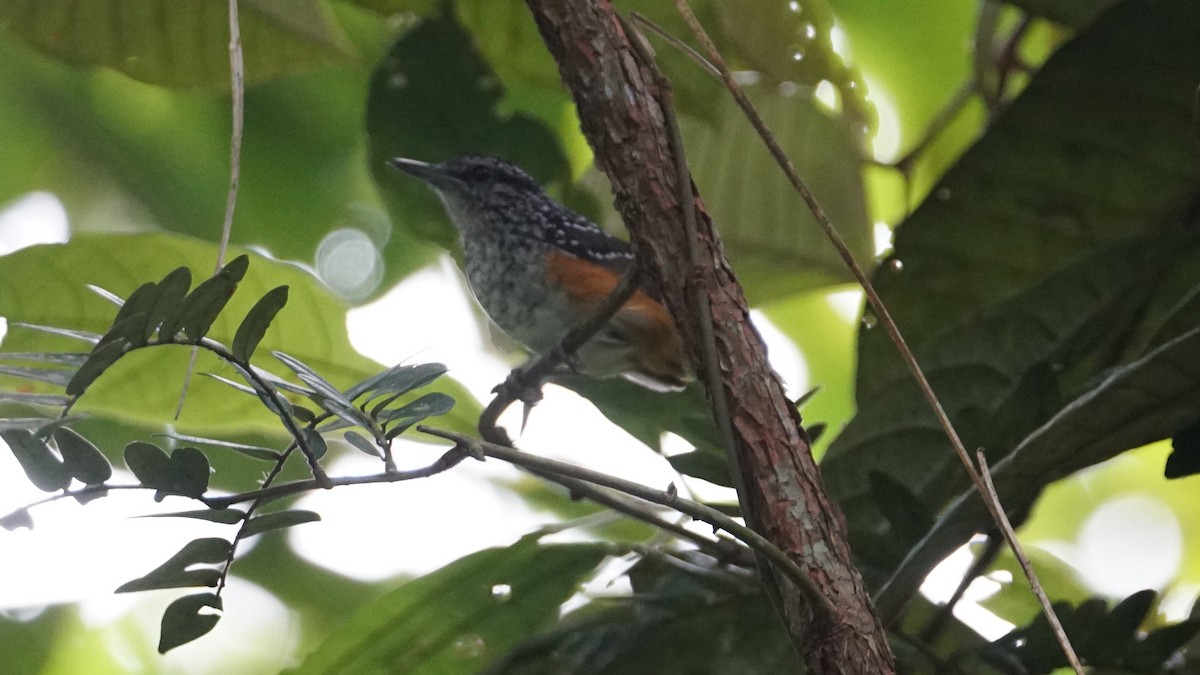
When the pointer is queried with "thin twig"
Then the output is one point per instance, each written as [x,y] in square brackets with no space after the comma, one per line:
[237,83]
[448,460]
[722,549]
[696,510]
[1011,537]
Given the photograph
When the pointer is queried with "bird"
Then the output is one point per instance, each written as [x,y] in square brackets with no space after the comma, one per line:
[537,269]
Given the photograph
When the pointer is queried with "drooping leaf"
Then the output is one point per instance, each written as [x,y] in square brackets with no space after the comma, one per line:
[450,620]
[181,44]
[703,465]
[45,471]
[316,443]
[201,306]
[1145,401]
[278,520]
[254,326]
[98,362]
[361,443]
[83,459]
[223,516]
[173,288]
[182,621]
[178,571]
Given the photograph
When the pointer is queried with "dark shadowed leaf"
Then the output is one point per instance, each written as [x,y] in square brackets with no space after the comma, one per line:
[703,465]
[201,306]
[98,362]
[223,516]
[1184,459]
[421,628]
[165,312]
[315,442]
[1151,653]
[45,471]
[183,621]
[278,520]
[254,326]
[83,459]
[175,572]
[185,472]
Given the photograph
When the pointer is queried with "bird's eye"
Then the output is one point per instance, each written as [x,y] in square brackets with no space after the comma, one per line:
[480,173]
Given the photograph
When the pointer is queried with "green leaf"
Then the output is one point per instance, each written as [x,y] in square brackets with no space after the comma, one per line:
[428,405]
[185,472]
[315,442]
[98,362]
[450,620]
[278,520]
[399,379]
[223,516]
[175,572]
[1069,12]
[83,459]
[772,239]
[1151,653]
[703,465]
[60,378]
[45,285]
[1077,163]
[134,315]
[255,451]
[201,306]
[411,113]
[173,288]
[182,621]
[1136,404]
[254,326]
[45,471]
[1117,632]
[181,44]
[361,443]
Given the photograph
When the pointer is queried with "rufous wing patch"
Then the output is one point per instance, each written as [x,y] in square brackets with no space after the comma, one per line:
[642,320]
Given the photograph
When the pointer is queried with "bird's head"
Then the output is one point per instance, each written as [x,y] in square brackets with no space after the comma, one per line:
[475,188]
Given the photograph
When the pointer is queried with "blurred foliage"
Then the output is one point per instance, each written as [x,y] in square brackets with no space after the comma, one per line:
[1046,278]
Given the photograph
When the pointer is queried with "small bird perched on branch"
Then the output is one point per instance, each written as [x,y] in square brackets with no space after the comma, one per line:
[538,269]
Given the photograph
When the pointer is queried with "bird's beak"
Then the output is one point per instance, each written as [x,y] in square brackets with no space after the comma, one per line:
[432,174]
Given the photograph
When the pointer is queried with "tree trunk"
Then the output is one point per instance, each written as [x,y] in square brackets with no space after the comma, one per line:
[620,106]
